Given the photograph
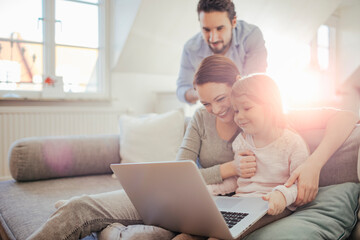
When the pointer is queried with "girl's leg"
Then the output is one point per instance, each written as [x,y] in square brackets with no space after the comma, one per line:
[81,216]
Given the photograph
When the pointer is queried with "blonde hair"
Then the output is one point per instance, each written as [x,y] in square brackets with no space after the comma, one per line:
[263,90]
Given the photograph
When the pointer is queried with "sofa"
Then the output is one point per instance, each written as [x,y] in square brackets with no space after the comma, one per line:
[47,169]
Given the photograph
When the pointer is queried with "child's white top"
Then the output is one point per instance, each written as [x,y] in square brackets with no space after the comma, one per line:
[274,165]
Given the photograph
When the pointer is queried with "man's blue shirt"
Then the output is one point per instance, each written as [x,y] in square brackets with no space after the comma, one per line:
[247,51]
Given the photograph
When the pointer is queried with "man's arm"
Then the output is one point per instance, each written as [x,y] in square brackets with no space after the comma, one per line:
[185,89]
[256,53]
[191,96]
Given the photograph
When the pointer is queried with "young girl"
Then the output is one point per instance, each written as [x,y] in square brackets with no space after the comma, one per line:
[278,150]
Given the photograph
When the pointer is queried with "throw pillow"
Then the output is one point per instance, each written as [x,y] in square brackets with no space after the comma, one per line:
[332,215]
[154,137]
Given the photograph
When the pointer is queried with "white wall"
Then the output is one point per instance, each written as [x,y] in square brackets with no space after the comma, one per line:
[158,33]
[122,15]
[348,55]
[348,36]
[137,93]
[146,68]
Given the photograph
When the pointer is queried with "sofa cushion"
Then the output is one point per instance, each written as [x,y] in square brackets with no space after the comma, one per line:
[25,206]
[332,215]
[154,137]
[356,231]
[52,157]
[355,234]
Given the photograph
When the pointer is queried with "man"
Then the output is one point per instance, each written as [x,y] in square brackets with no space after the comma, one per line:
[221,33]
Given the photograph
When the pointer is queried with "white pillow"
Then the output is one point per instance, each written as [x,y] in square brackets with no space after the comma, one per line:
[155,137]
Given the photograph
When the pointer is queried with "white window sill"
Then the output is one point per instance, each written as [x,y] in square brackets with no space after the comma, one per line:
[67,97]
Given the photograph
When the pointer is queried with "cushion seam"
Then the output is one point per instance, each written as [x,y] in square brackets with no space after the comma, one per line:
[6,228]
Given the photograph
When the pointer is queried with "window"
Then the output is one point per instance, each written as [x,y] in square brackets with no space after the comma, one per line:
[323,46]
[322,62]
[305,70]
[61,39]
[321,50]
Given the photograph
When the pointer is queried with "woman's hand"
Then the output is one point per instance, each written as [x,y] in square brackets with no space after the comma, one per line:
[277,202]
[244,164]
[308,173]
[307,176]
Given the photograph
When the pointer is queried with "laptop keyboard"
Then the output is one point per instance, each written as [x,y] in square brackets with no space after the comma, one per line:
[232,218]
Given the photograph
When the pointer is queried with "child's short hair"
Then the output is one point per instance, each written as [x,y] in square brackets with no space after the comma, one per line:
[263,90]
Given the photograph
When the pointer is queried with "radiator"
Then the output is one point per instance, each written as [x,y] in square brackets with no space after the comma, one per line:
[31,123]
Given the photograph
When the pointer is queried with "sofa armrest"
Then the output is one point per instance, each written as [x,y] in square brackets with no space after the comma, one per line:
[53,157]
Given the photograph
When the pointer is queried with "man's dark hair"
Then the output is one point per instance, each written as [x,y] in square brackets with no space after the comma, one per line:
[218,6]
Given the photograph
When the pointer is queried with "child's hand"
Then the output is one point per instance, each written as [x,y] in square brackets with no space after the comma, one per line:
[277,202]
[245,164]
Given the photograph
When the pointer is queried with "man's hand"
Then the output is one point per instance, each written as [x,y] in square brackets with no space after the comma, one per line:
[277,202]
[191,96]
[245,164]
[307,176]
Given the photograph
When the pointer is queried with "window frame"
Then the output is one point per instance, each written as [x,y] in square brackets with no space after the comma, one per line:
[314,46]
[49,23]
[328,74]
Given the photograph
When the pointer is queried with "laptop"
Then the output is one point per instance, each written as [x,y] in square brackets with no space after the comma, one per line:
[174,196]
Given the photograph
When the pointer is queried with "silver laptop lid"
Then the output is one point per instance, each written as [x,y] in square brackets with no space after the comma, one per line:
[172,195]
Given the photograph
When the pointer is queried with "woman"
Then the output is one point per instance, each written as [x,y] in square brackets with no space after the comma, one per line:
[208,140]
